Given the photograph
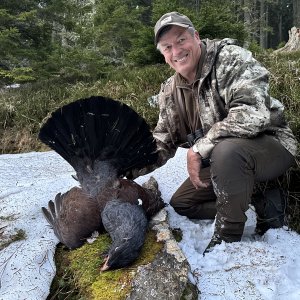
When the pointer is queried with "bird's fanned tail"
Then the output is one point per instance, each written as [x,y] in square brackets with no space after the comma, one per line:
[98,129]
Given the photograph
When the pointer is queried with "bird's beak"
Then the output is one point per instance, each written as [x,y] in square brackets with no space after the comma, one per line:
[105,266]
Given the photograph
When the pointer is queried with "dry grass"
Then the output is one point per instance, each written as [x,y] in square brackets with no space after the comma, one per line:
[23,110]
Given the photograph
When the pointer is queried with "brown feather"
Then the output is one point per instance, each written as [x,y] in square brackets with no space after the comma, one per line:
[74,215]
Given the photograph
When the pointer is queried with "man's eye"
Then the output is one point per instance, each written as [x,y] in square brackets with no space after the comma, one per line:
[167,48]
[181,40]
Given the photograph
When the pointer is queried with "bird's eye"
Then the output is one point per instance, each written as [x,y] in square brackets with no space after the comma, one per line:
[116,248]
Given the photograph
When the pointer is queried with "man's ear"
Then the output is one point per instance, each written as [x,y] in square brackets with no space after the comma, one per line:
[197,36]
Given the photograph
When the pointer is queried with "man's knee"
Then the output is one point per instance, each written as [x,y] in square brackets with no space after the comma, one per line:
[228,150]
[230,156]
[173,201]
[178,204]
[176,201]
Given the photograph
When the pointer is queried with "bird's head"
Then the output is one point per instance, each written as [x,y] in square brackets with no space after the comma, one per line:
[122,254]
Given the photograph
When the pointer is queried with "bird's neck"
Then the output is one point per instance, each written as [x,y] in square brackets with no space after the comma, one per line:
[97,177]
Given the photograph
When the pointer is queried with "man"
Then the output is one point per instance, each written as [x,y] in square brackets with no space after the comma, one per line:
[218,101]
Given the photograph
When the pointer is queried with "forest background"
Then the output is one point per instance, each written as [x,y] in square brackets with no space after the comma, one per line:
[53,52]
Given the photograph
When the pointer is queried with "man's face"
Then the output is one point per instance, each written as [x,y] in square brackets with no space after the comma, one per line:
[181,51]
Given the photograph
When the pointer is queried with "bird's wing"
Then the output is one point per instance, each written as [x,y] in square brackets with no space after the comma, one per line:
[74,216]
[149,195]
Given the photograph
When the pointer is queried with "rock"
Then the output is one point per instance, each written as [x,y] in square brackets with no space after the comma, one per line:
[166,277]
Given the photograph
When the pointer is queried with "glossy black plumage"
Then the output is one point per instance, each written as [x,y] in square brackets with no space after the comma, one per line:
[126,223]
[102,139]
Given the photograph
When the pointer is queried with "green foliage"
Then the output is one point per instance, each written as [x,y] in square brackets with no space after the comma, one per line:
[79,276]
[116,23]
[256,50]
[217,20]
[21,74]
[24,37]
[284,84]
[144,51]
[161,7]
[213,20]
[84,40]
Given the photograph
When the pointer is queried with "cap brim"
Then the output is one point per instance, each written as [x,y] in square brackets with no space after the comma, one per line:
[168,24]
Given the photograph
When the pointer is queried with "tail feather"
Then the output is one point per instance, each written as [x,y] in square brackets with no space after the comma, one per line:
[98,128]
[58,202]
[51,206]
[52,215]
[48,216]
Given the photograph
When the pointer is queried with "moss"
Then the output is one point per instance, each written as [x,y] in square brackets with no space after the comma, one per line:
[177,233]
[78,271]
[190,292]
[112,285]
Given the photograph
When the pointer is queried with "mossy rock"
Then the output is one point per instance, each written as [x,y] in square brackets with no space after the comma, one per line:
[78,271]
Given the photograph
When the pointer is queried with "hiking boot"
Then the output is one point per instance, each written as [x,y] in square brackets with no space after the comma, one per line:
[270,207]
[218,238]
[215,240]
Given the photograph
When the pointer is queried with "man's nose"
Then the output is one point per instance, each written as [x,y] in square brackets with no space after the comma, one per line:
[176,49]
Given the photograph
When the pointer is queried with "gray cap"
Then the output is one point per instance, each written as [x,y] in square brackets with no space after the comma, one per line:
[171,18]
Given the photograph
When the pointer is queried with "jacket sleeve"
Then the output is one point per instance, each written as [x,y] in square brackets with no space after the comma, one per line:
[243,84]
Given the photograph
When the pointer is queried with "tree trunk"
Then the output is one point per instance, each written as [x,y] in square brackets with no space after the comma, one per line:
[296,13]
[293,43]
[247,23]
[262,26]
[280,28]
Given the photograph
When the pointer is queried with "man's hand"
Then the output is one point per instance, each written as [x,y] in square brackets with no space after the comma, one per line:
[194,168]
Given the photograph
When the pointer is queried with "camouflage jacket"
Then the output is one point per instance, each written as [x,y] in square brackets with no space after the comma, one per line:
[233,99]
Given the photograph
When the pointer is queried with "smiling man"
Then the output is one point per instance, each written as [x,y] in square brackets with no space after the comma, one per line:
[181,49]
[217,104]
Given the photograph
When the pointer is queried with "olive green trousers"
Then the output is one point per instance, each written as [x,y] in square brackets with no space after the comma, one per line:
[235,165]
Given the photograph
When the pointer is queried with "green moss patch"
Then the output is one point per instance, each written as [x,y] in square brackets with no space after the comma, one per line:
[78,271]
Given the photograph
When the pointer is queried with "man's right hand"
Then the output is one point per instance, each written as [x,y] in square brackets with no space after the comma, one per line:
[194,164]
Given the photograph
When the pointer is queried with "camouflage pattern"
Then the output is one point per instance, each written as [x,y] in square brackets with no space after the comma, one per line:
[233,101]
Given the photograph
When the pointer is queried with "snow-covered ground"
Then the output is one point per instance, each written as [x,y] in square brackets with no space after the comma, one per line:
[256,268]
